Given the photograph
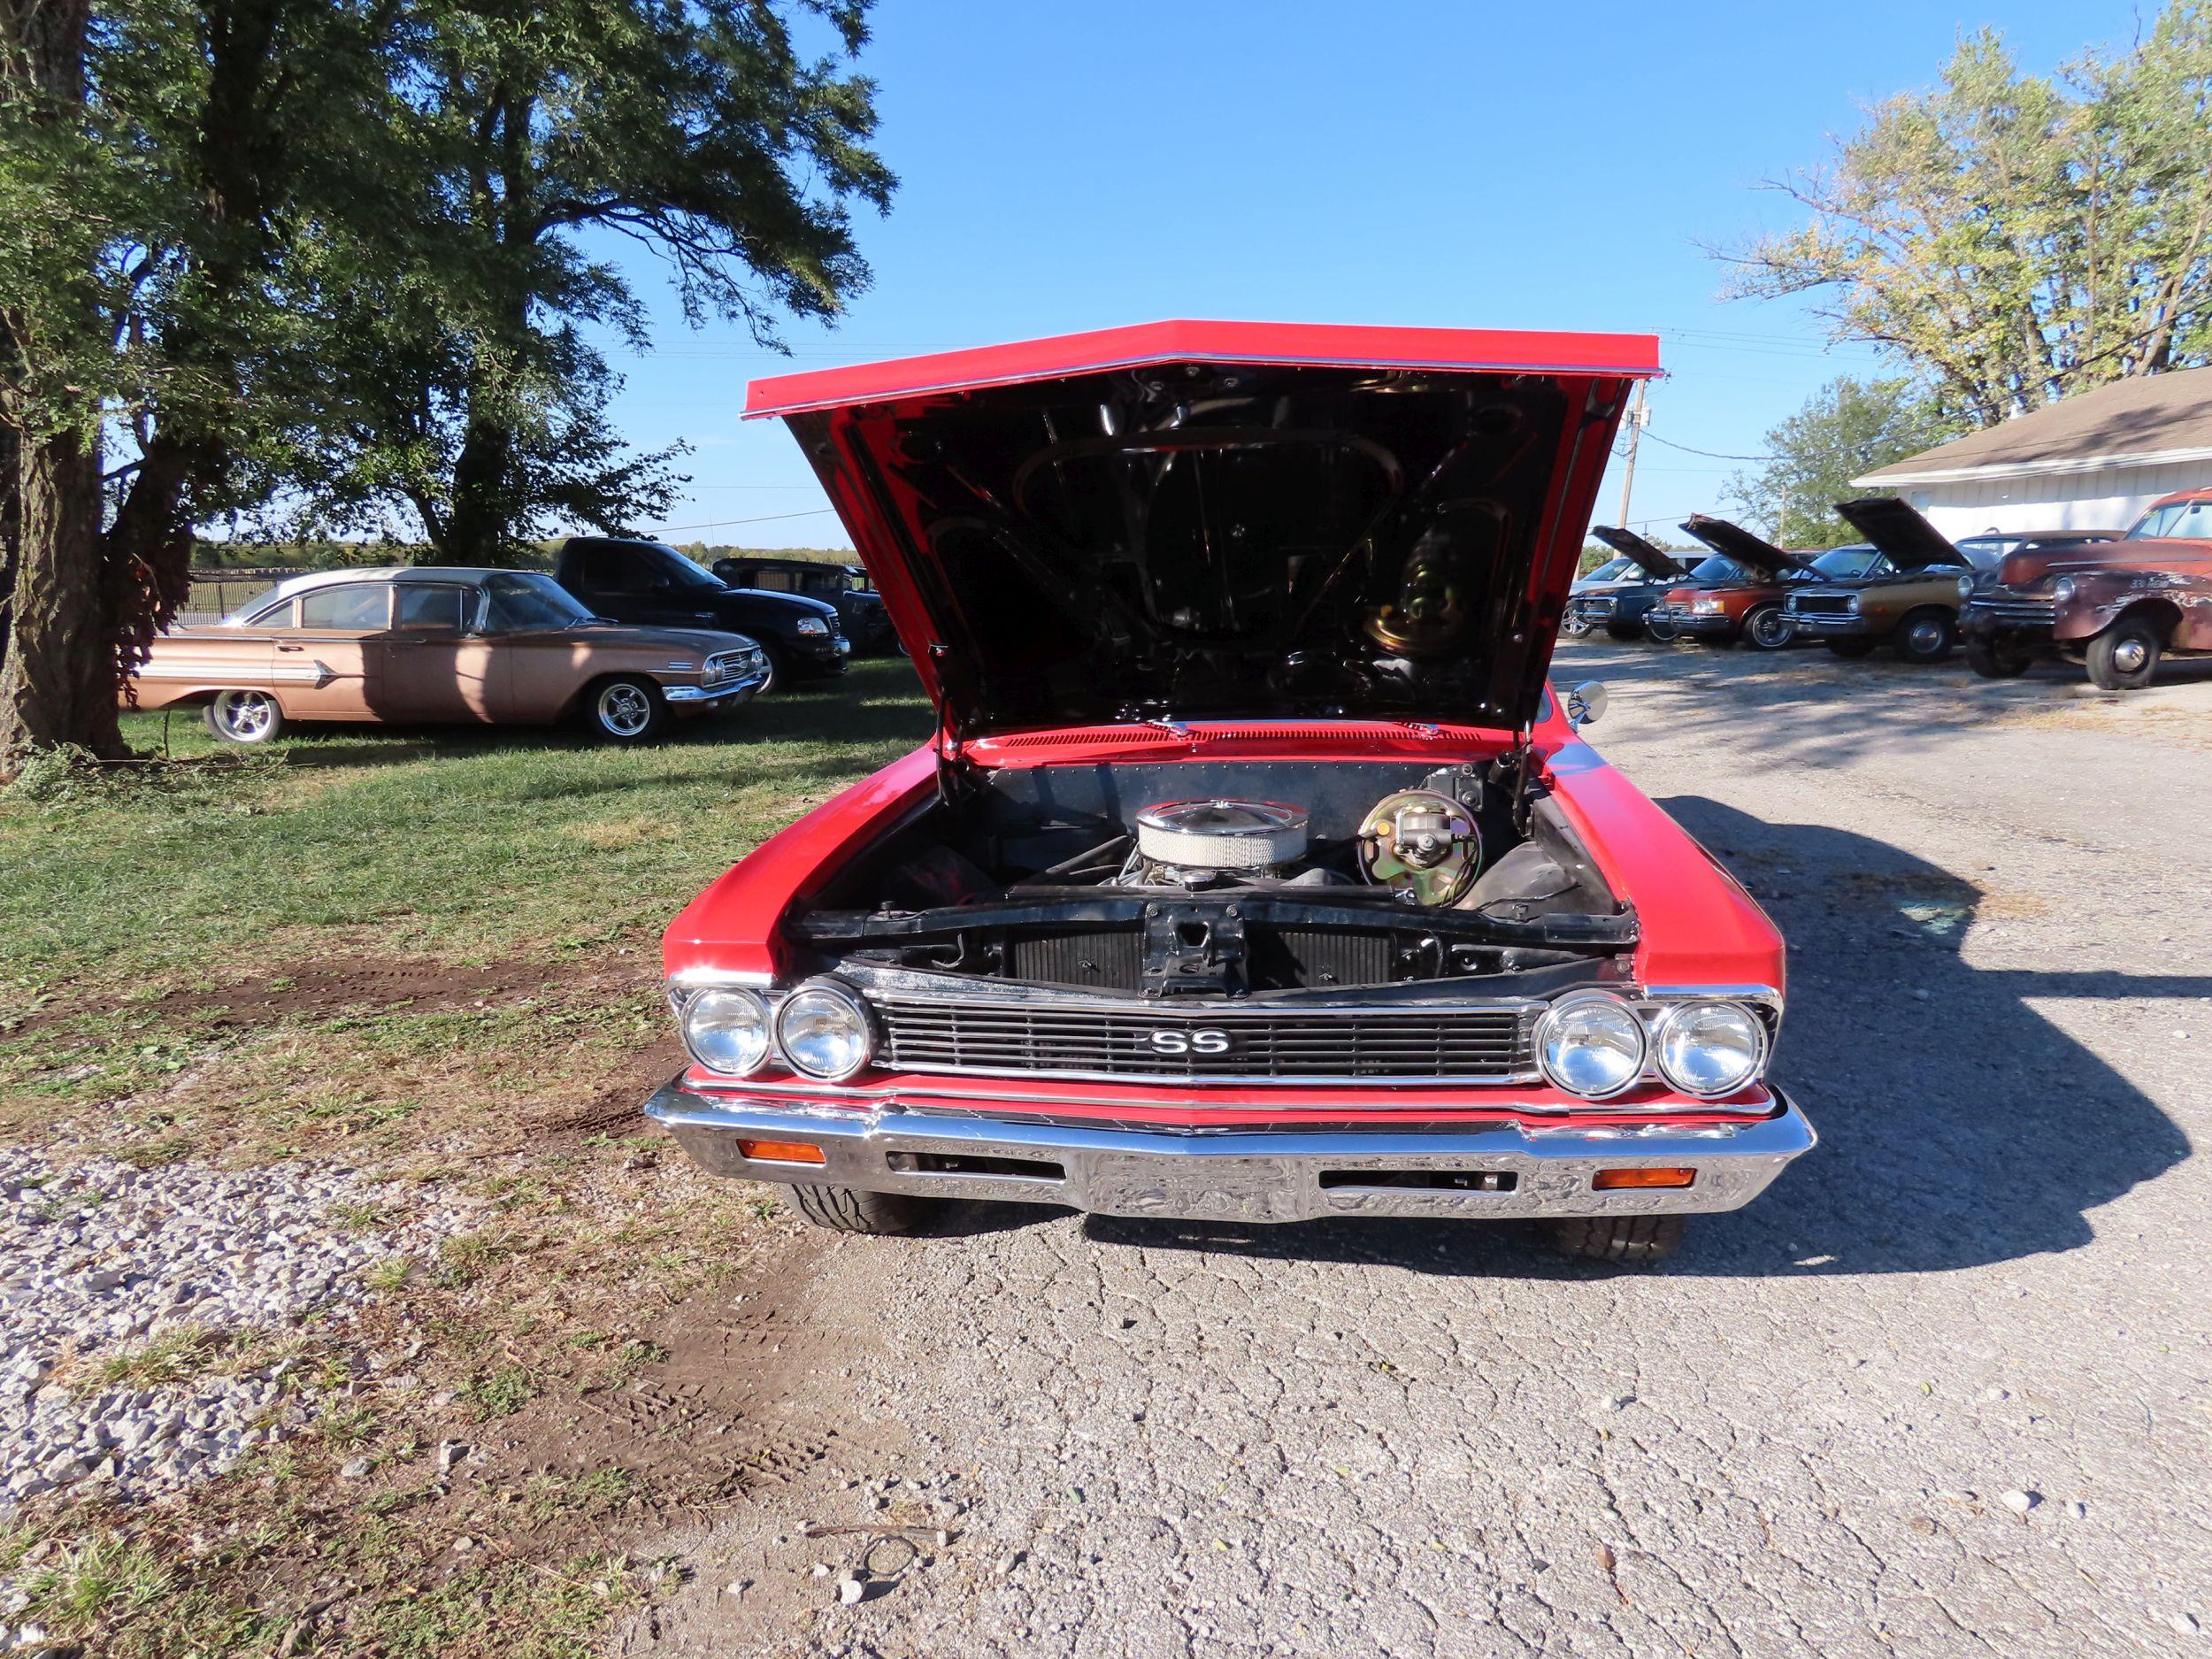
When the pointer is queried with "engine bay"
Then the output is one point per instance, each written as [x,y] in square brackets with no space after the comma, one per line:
[1225,878]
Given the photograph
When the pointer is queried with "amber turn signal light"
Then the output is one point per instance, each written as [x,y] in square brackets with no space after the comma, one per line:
[1613,1180]
[781,1152]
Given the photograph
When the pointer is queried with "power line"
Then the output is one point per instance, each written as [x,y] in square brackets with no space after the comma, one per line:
[724,523]
[1713,454]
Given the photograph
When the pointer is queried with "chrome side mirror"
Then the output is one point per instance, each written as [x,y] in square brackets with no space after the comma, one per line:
[1584,703]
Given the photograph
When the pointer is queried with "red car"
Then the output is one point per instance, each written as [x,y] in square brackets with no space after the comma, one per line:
[1255,873]
[2115,606]
[1736,594]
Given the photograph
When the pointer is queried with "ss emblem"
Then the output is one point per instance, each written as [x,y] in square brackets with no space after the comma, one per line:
[1188,1041]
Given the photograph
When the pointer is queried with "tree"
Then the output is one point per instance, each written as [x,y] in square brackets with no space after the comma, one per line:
[2017,238]
[700,132]
[1845,430]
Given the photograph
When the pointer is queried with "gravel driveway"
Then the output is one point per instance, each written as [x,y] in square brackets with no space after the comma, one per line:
[1945,1389]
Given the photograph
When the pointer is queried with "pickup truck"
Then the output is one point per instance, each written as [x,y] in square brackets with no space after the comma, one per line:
[650,582]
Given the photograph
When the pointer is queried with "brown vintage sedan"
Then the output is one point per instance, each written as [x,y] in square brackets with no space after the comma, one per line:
[435,645]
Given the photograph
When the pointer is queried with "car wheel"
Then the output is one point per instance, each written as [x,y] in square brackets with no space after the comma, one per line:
[245,717]
[1768,629]
[778,673]
[1852,647]
[627,709]
[1661,633]
[1574,627]
[849,1209]
[1992,661]
[1628,1239]
[2125,657]
[1924,636]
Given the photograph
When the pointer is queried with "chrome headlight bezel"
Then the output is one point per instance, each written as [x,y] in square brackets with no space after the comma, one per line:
[1672,1017]
[690,1002]
[1554,1017]
[1966,587]
[844,997]
[1851,604]
[2063,589]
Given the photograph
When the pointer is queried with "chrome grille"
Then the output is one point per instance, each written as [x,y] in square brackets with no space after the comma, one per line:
[1278,1043]
[1820,604]
[2027,607]
[730,666]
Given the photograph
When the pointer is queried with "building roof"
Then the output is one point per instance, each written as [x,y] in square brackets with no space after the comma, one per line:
[1184,341]
[2149,420]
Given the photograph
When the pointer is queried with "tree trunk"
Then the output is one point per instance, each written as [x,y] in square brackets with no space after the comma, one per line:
[59,684]
[11,521]
[478,528]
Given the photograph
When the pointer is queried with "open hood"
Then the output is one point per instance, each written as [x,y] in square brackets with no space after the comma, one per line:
[1898,530]
[1659,566]
[1196,520]
[1733,541]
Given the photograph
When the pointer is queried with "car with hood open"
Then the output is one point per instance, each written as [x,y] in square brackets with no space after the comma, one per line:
[2115,606]
[1735,595]
[1621,607]
[1905,588]
[1255,872]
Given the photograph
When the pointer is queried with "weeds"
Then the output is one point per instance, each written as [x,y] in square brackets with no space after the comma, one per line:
[105,1577]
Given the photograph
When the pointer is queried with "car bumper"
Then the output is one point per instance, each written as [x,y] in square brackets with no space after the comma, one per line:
[713,699]
[1493,1170]
[2011,622]
[1819,624]
[1696,623]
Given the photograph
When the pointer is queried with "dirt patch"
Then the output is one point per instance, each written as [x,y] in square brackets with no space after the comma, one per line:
[314,992]
[615,1107]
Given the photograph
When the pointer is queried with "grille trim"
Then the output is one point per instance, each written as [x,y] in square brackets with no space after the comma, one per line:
[1291,1043]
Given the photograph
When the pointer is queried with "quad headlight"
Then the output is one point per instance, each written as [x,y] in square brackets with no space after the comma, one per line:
[726,1028]
[1710,1049]
[1591,1044]
[824,1031]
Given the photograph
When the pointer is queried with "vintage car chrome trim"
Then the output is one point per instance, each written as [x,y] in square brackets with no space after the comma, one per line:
[1259,1176]
[696,979]
[310,673]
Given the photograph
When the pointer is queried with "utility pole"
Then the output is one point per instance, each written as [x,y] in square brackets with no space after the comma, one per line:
[1636,418]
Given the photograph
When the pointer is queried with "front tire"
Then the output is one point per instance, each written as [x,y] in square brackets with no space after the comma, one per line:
[1925,636]
[627,709]
[1629,1239]
[778,672]
[1992,661]
[1572,626]
[248,718]
[1768,629]
[2125,657]
[850,1209]
[1661,633]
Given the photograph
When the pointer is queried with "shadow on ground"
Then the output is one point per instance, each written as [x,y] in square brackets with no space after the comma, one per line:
[1958,1126]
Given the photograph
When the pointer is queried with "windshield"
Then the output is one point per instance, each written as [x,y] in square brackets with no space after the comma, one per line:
[1844,563]
[520,601]
[2185,520]
[1715,568]
[1612,570]
[682,571]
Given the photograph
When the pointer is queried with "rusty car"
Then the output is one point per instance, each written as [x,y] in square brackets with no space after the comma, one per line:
[2116,606]
[438,645]
[1253,872]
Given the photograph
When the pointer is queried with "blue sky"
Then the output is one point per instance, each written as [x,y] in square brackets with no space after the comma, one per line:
[1071,167]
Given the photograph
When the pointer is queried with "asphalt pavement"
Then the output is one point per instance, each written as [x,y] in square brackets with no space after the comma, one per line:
[1947,1388]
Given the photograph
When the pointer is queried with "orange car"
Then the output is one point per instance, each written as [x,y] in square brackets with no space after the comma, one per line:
[1735,595]
[473,647]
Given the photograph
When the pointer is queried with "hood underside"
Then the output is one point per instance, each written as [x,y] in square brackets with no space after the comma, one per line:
[1223,520]
[1911,542]
[1656,563]
[1733,541]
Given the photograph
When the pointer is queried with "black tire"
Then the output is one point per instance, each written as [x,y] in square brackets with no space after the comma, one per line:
[778,672]
[248,719]
[1768,629]
[1572,626]
[1851,646]
[626,709]
[1992,661]
[1924,636]
[1626,1238]
[1661,633]
[849,1209]
[1624,631]
[2125,657]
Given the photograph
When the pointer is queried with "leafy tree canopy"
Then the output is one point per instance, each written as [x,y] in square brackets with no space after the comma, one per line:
[1845,430]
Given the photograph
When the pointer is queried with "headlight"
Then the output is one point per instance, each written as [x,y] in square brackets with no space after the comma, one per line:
[1851,604]
[1710,1049]
[824,1031]
[1966,587]
[2063,589]
[1707,607]
[812,625]
[1591,1044]
[725,1030]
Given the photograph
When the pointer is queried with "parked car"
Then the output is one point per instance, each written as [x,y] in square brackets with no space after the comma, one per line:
[2115,606]
[1736,594]
[651,583]
[1255,872]
[432,644]
[1620,606]
[1908,594]
[859,606]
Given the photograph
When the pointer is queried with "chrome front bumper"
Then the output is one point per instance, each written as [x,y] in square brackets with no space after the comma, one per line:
[1828,623]
[1497,1170]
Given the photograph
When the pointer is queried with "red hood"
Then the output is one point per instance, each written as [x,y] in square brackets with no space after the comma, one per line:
[1195,520]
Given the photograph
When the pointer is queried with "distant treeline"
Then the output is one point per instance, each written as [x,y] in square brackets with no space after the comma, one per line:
[326,555]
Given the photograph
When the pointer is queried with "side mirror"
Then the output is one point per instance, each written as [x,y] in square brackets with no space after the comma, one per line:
[1584,703]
